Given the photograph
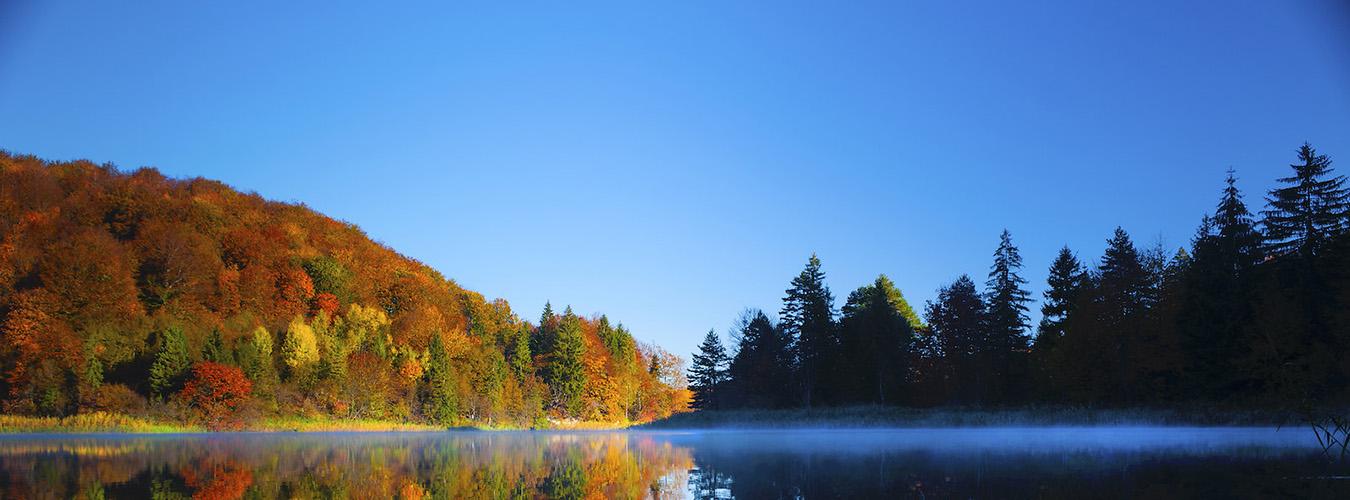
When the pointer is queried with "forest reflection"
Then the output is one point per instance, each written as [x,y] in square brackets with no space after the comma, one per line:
[917,463]
[406,466]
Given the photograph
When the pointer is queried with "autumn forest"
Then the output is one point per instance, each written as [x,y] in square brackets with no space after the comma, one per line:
[186,301]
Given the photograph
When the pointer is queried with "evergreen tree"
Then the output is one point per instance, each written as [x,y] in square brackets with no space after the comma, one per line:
[1067,276]
[440,402]
[519,359]
[171,363]
[546,334]
[708,372]
[956,320]
[1302,217]
[761,369]
[1123,286]
[566,374]
[214,350]
[808,317]
[875,337]
[1006,320]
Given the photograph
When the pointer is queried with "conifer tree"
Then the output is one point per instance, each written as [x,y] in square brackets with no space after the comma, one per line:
[808,317]
[1302,217]
[1123,286]
[171,363]
[214,350]
[708,372]
[567,370]
[956,320]
[874,338]
[522,365]
[1067,276]
[440,403]
[761,369]
[1006,320]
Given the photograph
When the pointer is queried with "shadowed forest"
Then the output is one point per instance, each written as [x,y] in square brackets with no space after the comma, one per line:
[1254,312]
[187,301]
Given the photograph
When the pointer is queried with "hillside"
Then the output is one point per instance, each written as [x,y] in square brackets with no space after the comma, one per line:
[187,300]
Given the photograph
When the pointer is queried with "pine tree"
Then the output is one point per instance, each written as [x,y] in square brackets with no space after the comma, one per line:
[956,320]
[1006,320]
[1239,241]
[171,363]
[761,369]
[545,336]
[708,372]
[1123,285]
[1305,215]
[522,365]
[808,317]
[214,350]
[1067,276]
[440,403]
[566,374]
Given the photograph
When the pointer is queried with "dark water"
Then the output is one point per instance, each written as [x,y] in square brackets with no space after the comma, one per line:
[902,463]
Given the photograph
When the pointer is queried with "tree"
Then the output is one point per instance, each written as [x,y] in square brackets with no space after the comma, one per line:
[1006,320]
[300,349]
[956,319]
[215,350]
[171,362]
[1066,280]
[518,355]
[761,369]
[808,317]
[439,402]
[217,391]
[1302,217]
[566,374]
[1123,287]
[707,373]
[875,336]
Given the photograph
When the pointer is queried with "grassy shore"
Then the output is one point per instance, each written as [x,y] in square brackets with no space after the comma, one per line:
[102,422]
[885,416]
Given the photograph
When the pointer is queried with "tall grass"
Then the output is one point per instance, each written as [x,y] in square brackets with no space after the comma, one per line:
[90,422]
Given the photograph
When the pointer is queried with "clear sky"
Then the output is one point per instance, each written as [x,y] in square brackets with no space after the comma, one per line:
[670,166]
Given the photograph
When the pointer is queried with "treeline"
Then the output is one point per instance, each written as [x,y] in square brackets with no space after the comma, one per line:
[187,300]
[1255,311]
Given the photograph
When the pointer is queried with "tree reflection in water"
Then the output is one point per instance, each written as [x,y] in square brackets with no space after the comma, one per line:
[952,463]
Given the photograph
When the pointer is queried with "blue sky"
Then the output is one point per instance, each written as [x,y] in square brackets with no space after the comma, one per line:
[672,165]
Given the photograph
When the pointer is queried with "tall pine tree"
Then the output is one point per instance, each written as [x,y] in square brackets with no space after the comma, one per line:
[1006,321]
[875,337]
[808,316]
[1303,216]
[708,372]
[761,369]
[956,320]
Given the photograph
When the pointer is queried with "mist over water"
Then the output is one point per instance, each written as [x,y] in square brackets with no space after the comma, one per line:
[1011,462]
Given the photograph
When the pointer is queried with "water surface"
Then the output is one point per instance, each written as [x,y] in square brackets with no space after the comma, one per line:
[889,463]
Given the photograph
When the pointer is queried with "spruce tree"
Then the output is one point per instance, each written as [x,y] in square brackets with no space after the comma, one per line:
[1123,285]
[1066,280]
[440,403]
[708,372]
[214,350]
[761,369]
[522,365]
[567,371]
[1302,217]
[1006,320]
[808,317]
[545,335]
[956,320]
[171,363]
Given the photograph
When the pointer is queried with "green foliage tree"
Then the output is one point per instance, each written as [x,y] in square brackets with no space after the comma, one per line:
[1006,322]
[566,374]
[808,317]
[708,372]
[171,362]
[440,402]
[875,337]
[1303,216]
[956,320]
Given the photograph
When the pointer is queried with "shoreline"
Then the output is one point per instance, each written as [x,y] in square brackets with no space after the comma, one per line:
[836,418]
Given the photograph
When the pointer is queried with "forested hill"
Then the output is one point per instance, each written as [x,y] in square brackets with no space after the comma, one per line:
[136,293]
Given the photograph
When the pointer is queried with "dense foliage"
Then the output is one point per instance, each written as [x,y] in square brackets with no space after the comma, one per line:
[114,285]
[1253,313]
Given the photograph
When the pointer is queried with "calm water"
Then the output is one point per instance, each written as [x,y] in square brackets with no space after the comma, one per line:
[917,463]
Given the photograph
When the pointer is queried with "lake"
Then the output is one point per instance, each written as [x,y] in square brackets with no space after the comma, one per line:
[887,463]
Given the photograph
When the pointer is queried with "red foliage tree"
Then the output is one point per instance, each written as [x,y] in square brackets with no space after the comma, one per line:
[217,391]
[325,302]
